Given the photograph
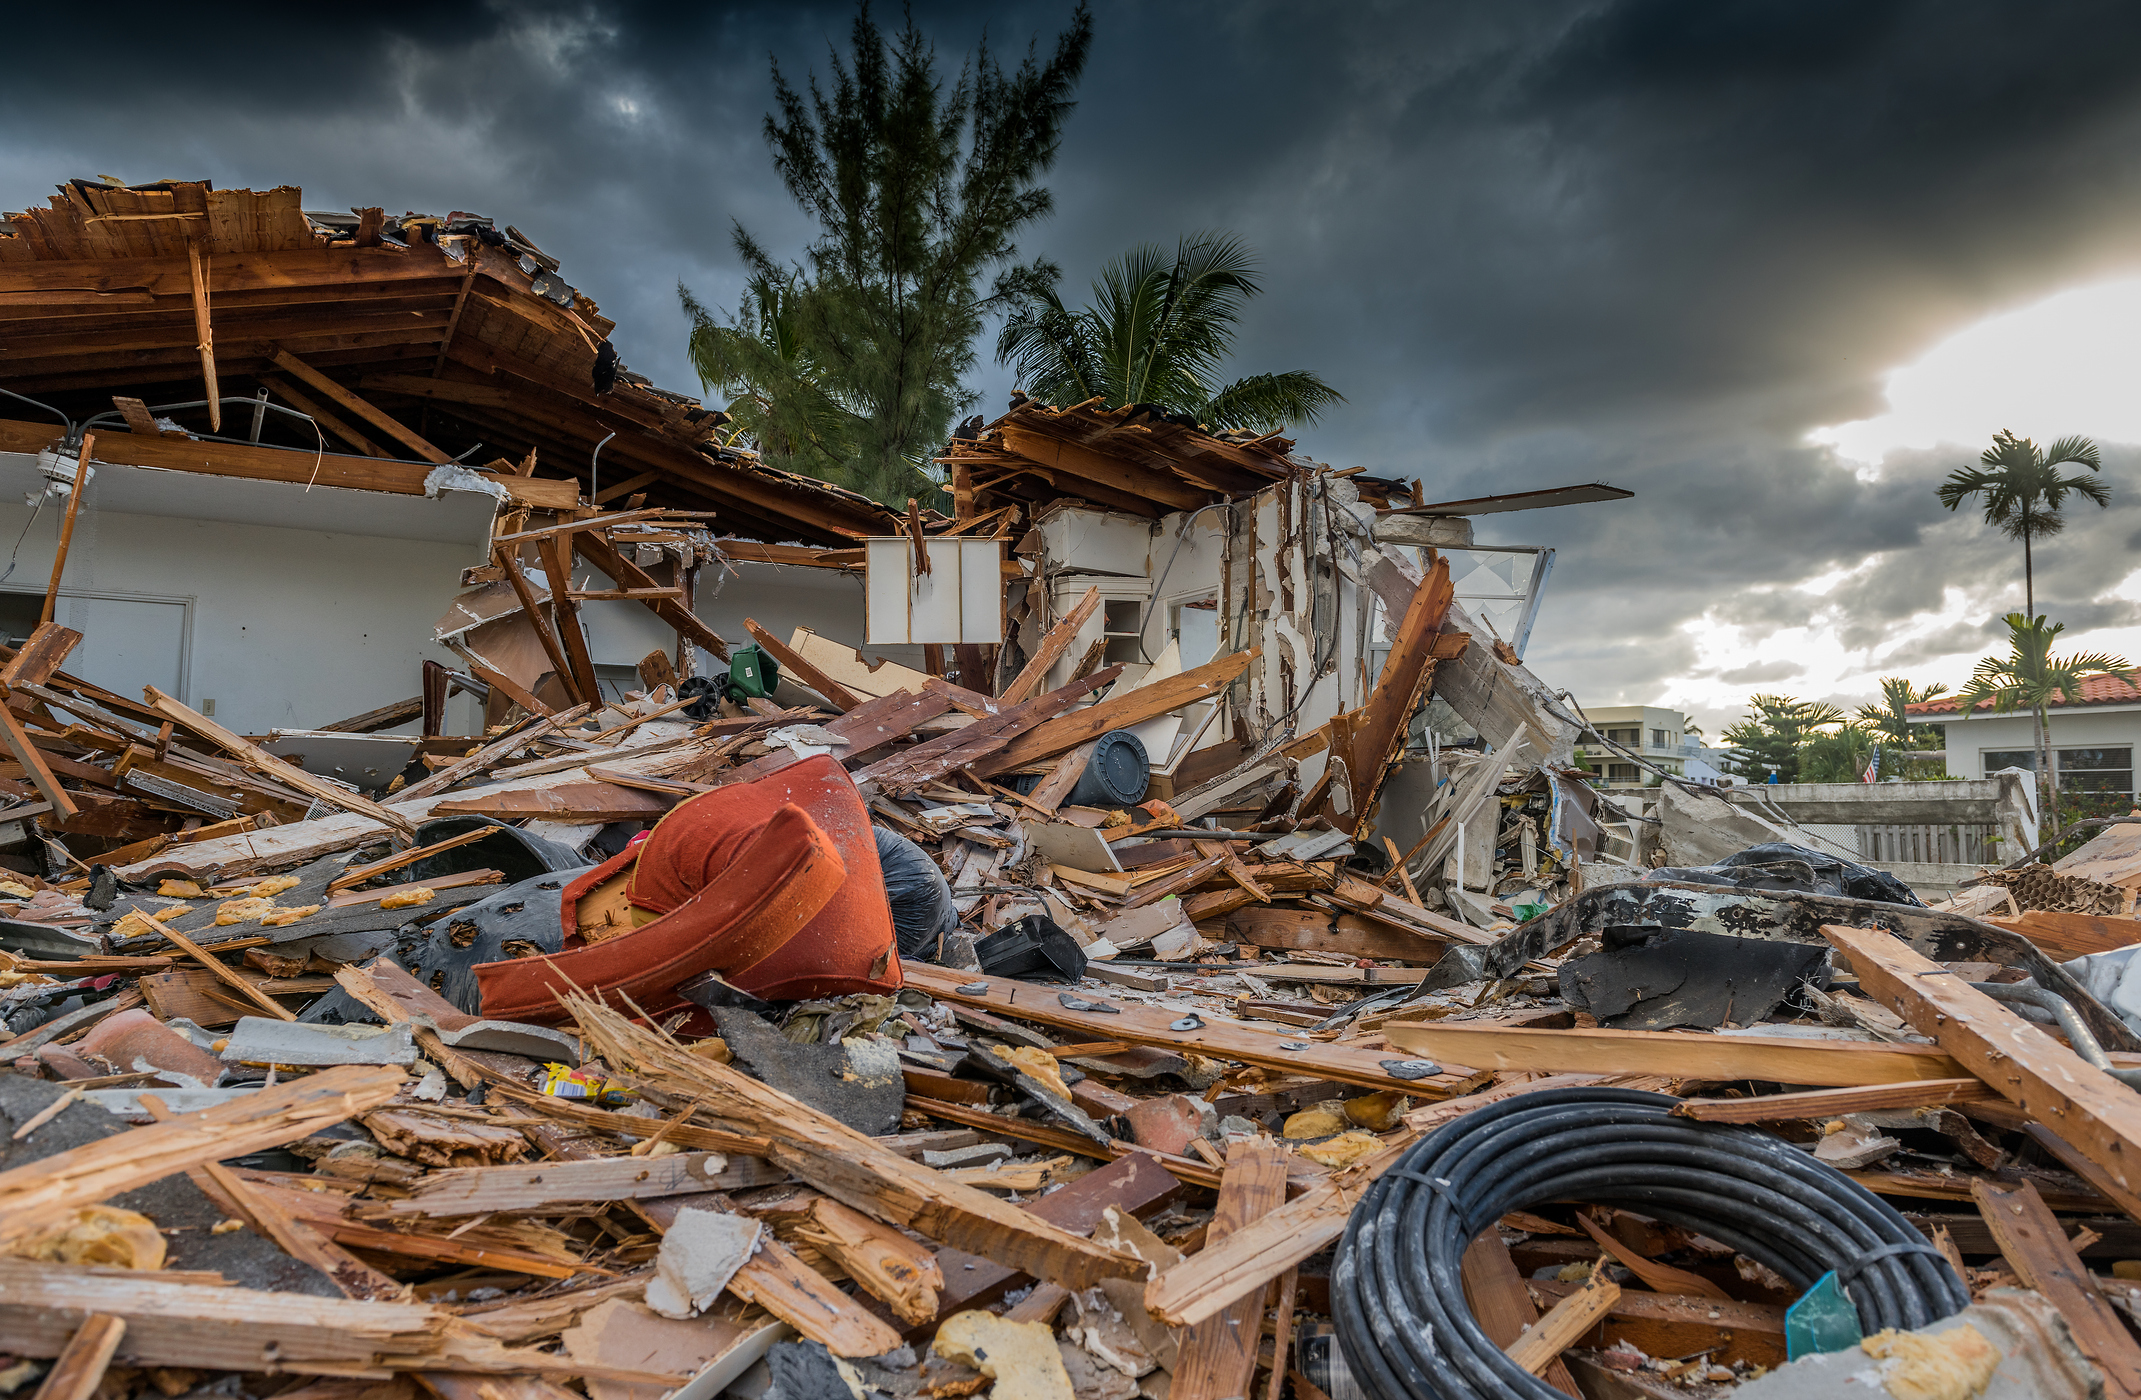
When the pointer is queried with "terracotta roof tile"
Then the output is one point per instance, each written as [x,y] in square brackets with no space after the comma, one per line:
[2097,690]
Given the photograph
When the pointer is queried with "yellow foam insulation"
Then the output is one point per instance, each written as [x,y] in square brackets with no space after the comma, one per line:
[1041,1065]
[176,889]
[1953,1365]
[291,915]
[408,899]
[273,886]
[1021,1357]
[1317,1122]
[123,1239]
[1378,1113]
[1341,1151]
[241,911]
[15,889]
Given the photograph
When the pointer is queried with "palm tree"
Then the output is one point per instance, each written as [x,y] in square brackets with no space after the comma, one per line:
[2024,491]
[1156,334]
[2029,675]
[1891,719]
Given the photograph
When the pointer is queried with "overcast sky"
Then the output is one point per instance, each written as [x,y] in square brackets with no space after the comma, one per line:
[1661,244]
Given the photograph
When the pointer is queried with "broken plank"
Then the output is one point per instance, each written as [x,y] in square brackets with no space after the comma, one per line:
[849,1166]
[483,758]
[1223,1039]
[595,547]
[1053,644]
[1117,712]
[795,664]
[224,971]
[1837,1063]
[547,1185]
[1499,1301]
[1378,727]
[259,758]
[1831,1103]
[2097,1114]
[891,1267]
[2035,1245]
[903,772]
[1137,1185]
[1315,931]
[1218,1355]
[773,1277]
[79,1371]
[36,1191]
[26,753]
[39,657]
[569,802]
[1567,1320]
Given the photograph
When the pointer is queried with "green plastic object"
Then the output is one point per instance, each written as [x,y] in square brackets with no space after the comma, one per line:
[1823,1319]
[1525,913]
[752,673]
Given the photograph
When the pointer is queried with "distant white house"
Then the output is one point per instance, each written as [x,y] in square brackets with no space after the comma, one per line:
[1659,735]
[2094,736]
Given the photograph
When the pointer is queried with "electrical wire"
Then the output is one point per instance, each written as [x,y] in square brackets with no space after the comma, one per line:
[1397,1290]
[40,403]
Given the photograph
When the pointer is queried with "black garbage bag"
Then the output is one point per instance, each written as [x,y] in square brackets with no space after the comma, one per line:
[921,899]
[1033,947]
[1779,865]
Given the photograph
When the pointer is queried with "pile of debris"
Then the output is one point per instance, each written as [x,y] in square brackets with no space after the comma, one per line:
[1204,972]
[864,1071]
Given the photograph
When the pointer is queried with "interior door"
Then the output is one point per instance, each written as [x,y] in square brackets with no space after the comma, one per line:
[127,643]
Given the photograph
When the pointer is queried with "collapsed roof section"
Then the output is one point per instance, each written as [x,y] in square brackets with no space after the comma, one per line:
[1134,458]
[411,341]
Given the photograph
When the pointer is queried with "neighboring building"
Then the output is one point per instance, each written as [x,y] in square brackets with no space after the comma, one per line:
[2094,736]
[1659,735]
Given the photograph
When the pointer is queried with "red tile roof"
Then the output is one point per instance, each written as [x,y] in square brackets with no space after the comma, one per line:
[2097,690]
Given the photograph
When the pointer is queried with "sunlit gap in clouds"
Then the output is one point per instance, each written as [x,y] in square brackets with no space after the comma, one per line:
[2069,364]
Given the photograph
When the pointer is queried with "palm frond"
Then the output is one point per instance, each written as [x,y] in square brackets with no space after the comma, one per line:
[1268,402]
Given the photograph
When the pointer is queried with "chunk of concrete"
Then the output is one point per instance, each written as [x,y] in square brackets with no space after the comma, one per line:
[700,1253]
[1092,1378]
[260,1040]
[2037,1359]
[1700,828]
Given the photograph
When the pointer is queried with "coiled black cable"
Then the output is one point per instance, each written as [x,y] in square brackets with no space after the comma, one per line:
[1397,1294]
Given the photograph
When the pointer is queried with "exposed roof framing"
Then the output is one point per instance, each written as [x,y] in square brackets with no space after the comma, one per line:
[417,337]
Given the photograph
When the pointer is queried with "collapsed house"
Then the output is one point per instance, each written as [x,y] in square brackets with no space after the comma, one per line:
[1142,934]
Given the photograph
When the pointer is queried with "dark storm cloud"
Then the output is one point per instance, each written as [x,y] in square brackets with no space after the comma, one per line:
[1652,242]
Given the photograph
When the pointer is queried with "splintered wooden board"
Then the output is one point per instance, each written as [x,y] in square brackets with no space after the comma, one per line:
[572,802]
[209,1002]
[1222,1039]
[1778,1059]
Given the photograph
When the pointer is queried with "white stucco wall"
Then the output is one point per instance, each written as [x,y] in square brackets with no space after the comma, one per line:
[2091,727]
[284,625]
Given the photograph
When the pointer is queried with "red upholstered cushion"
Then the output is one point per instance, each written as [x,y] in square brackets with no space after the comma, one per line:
[850,946]
[685,868]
